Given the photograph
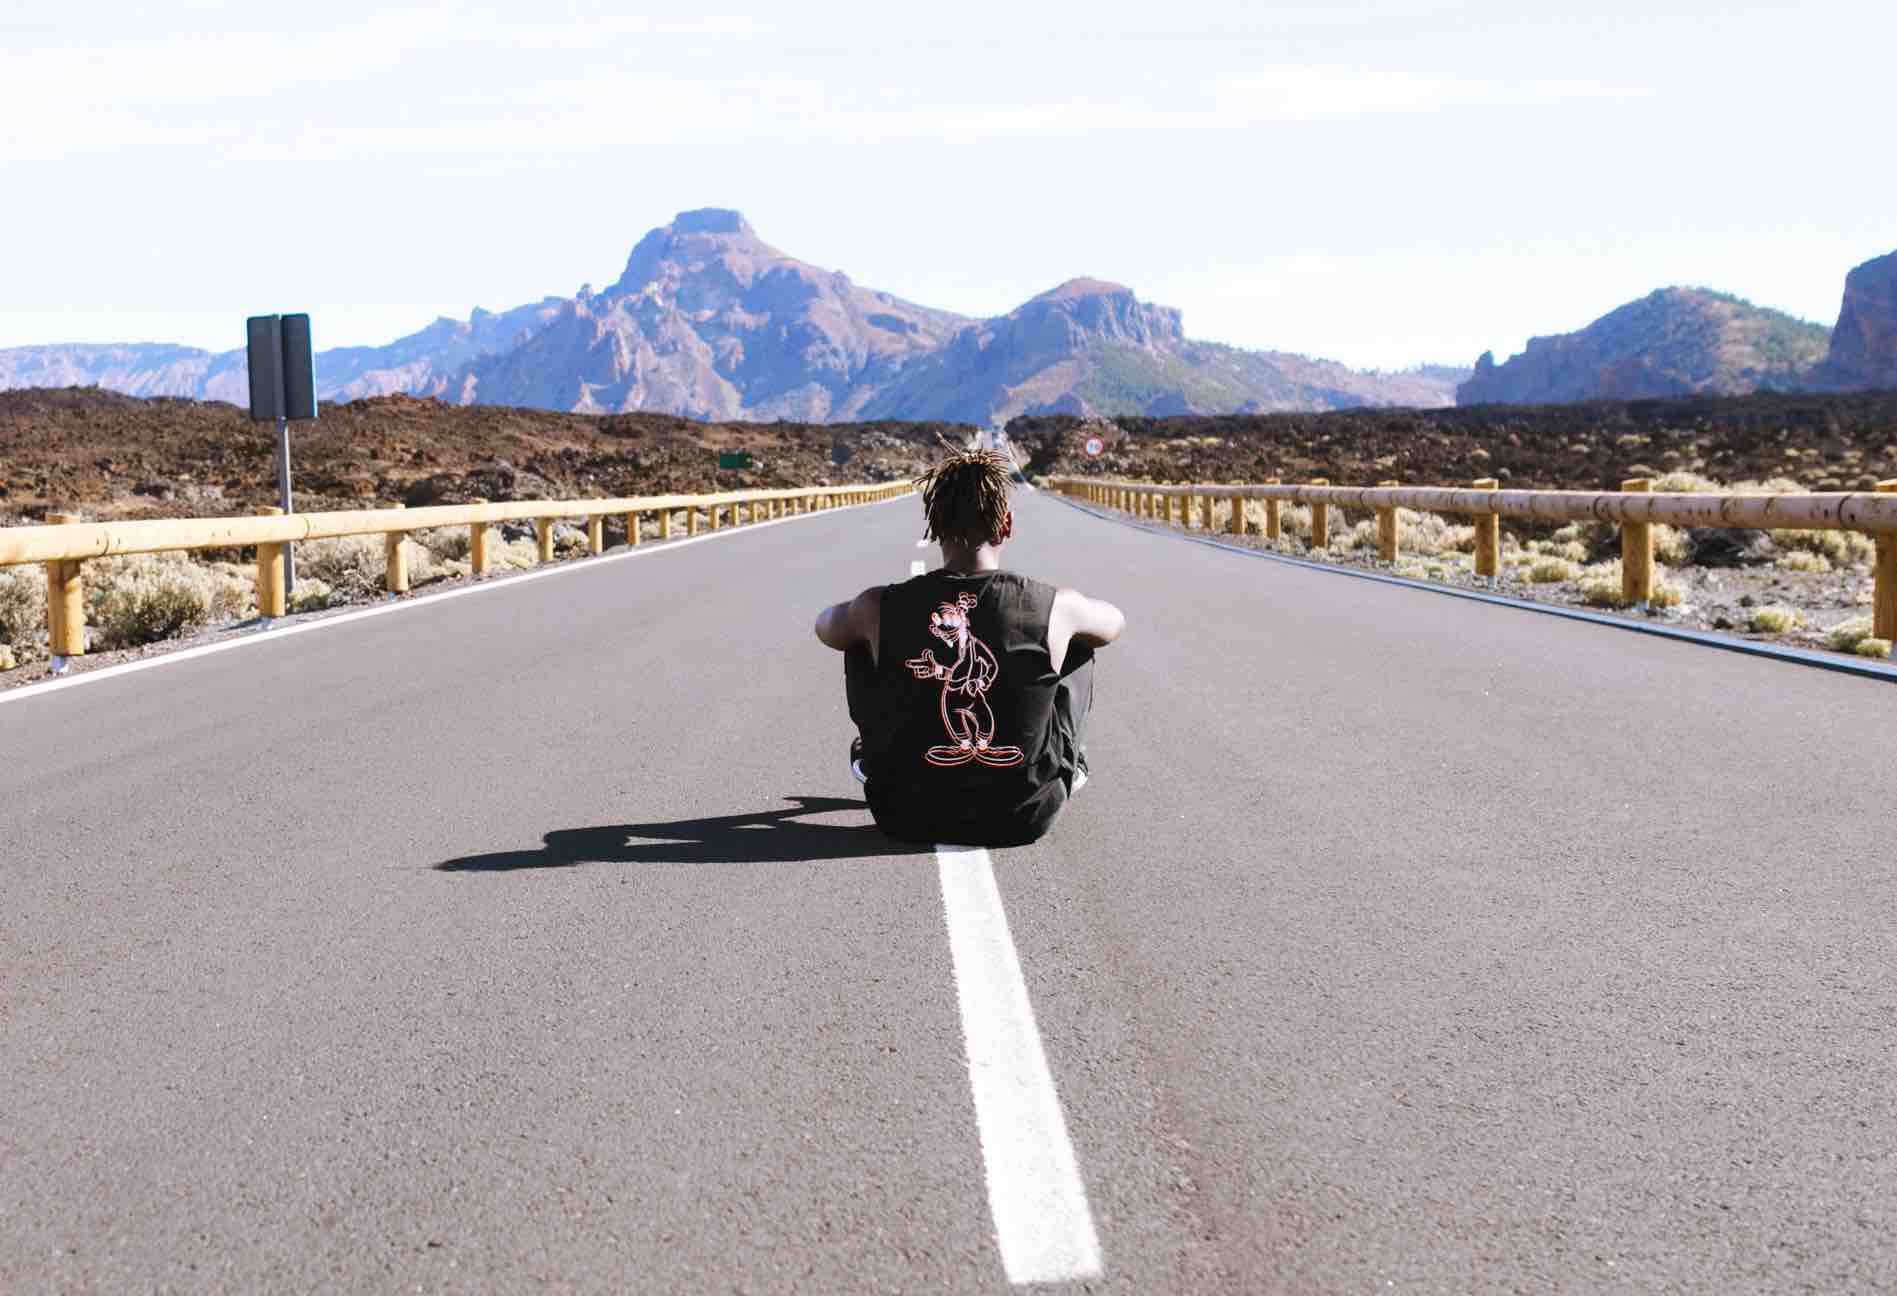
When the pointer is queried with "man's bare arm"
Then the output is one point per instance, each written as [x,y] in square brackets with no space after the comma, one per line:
[853,624]
[1079,619]
[1095,622]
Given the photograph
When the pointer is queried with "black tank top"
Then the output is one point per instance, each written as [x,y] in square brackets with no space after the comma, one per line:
[970,754]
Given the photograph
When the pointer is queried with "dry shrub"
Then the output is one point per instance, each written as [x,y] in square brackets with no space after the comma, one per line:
[1775,620]
[1834,546]
[1872,647]
[1671,545]
[134,599]
[9,660]
[1770,486]
[1847,635]
[22,605]
[1549,571]
[1428,533]
[1600,586]
[233,592]
[312,595]
[356,565]
[1800,561]
[1568,550]
[513,555]
[1682,482]
[445,543]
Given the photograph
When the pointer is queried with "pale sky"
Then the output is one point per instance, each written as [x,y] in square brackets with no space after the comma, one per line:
[1383,183]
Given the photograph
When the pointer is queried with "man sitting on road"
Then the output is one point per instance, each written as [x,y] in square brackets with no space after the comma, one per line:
[969,686]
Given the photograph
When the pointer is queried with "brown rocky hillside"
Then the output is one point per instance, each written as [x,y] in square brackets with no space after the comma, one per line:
[1823,442]
[117,456]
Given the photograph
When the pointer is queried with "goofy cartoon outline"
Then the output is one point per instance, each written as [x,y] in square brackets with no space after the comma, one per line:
[970,723]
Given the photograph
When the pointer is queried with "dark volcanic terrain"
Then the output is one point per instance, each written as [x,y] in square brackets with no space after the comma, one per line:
[1820,441]
[118,456]
[121,457]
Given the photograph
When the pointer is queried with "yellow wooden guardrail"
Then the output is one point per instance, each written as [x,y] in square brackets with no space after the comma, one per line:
[1636,507]
[65,544]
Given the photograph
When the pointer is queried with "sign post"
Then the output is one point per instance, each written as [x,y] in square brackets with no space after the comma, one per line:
[282,387]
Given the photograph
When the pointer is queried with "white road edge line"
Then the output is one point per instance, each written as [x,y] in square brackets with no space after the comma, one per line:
[1043,1225]
[280,632]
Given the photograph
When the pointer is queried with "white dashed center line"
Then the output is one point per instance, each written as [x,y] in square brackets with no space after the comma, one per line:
[1043,1226]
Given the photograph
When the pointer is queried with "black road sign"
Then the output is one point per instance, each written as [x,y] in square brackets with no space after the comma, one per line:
[282,368]
[282,387]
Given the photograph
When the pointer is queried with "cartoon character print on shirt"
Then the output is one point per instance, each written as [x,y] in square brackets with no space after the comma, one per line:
[965,683]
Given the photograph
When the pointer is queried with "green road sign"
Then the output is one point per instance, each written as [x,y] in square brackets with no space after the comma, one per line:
[736,459]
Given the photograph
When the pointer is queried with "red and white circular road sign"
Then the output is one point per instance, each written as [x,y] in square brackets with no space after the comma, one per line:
[1094,446]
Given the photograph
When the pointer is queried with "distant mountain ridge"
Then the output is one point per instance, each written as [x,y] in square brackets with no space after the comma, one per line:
[1674,342]
[710,322]
[1693,341]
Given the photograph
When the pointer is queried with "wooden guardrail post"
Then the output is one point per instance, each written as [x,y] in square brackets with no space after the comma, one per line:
[395,560]
[1274,514]
[1205,511]
[65,602]
[632,529]
[543,531]
[272,598]
[1237,525]
[1320,517]
[714,511]
[1884,598]
[1488,535]
[1636,552]
[665,524]
[1185,506]
[596,534]
[1387,529]
[691,520]
[477,546]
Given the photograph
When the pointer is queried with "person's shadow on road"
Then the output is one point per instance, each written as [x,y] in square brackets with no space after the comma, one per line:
[766,837]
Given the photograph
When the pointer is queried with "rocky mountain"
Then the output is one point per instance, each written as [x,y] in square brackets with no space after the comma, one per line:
[1863,349]
[710,322]
[1089,347]
[1674,342]
[421,364]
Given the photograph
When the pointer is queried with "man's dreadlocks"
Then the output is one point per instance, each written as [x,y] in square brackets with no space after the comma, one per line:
[965,497]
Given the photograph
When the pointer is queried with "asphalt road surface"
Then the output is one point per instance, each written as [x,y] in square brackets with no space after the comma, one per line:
[539,939]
